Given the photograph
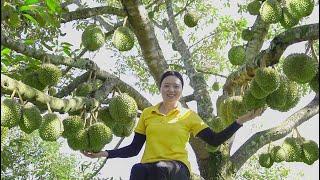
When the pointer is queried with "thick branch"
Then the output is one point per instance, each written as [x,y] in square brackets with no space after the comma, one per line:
[8,85]
[18,46]
[272,55]
[147,39]
[91,12]
[258,140]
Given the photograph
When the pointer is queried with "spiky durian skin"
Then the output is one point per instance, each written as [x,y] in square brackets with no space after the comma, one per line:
[99,136]
[300,67]
[237,55]
[49,74]
[278,154]
[123,39]
[32,79]
[10,113]
[310,151]
[122,130]
[300,8]
[265,160]
[51,127]
[292,96]
[287,20]
[93,38]
[4,133]
[231,108]
[254,7]
[293,149]
[191,19]
[105,117]
[216,86]
[257,91]
[31,119]
[251,102]
[314,83]
[79,141]
[84,89]
[268,79]
[270,11]
[72,125]
[247,35]
[277,99]
[123,108]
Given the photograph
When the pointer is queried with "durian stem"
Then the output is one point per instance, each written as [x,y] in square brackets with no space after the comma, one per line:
[13,93]
[125,21]
[269,147]
[117,89]
[49,108]
[89,78]
[81,54]
[20,98]
[113,92]
[298,134]
[105,160]
[313,51]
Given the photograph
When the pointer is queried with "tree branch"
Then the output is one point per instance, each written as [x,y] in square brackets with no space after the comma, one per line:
[91,12]
[18,46]
[39,98]
[258,140]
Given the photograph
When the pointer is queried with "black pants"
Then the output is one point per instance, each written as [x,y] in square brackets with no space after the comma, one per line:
[161,170]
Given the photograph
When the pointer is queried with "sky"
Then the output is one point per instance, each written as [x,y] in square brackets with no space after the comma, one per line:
[270,118]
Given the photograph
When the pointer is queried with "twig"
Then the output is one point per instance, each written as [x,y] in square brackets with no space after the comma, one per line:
[211,34]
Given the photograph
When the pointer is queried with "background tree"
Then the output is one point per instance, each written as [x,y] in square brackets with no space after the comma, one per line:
[31,36]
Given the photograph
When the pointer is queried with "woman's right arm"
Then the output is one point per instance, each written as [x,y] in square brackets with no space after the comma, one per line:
[128,151]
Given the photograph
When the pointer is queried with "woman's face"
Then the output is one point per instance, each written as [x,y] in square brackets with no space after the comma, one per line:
[171,89]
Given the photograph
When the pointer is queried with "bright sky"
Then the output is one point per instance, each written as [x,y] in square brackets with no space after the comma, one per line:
[121,167]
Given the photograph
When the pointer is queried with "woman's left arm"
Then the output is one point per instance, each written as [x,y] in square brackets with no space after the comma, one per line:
[215,139]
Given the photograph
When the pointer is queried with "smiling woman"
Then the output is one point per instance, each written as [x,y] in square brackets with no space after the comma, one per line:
[166,129]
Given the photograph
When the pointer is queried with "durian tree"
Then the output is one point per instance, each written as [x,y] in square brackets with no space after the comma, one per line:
[35,58]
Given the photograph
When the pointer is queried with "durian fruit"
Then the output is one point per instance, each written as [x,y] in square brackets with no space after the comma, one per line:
[300,67]
[10,113]
[293,149]
[251,102]
[123,130]
[52,91]
[268,79]
[310,152]
[99,136]
[217,124]
[292,97]
[278,154]
[72,125]
[254,7]
[257,91]
[93,38]
[4,133]
[314,83]
[123,108]
[51,127]
[79,141]
[123,39]
[84,89]
[216,86]
[247,34]
[287,20]
[49,74]
[191,19]
[31,118]
[270,11]
[237,55]
[265,160]
[32,79]
[231,108]
[105,117]
[285,97]
[300,8]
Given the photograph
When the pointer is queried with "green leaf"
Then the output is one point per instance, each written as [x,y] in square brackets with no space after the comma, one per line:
[28,2]
[30,18]
[53,5]
[66,44]
[29,41]
[28,7]
[5,51]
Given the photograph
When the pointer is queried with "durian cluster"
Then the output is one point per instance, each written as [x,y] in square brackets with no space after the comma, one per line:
[288,12]
[88,87]
[93,38]
[292,150]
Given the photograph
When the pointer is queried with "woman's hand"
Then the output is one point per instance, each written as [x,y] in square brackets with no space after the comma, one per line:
[250,115]
[95,155]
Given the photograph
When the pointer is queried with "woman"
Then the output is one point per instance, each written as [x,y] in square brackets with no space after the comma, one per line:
[166,128]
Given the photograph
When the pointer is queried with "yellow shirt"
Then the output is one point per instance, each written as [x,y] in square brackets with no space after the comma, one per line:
[168,135]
